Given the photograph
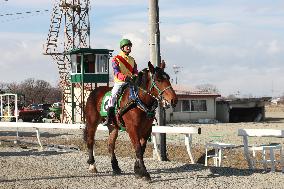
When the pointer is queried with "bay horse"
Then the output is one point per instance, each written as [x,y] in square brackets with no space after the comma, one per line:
[152,86]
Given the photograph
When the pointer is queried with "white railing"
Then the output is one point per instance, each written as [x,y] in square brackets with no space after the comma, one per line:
[187,131]
[245,133]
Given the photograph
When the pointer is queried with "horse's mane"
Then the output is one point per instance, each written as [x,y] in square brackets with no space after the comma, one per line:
[141,80]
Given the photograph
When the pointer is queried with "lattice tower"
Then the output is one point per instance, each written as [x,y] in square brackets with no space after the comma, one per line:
[74,16]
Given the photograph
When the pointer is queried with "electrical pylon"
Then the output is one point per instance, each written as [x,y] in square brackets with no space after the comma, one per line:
[75,33]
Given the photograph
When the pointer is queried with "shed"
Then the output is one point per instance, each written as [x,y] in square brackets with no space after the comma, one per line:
[241,109]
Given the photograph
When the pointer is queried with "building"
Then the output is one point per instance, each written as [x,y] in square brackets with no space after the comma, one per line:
[192,105]
[241,109]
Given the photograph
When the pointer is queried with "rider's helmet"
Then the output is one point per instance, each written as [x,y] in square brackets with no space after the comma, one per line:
[124,42]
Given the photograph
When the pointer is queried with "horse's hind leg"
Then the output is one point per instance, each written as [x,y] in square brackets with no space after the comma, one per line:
[91,127]
[113,133]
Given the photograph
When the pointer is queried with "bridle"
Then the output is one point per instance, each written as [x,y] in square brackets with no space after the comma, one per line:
[135,100]
[154,86]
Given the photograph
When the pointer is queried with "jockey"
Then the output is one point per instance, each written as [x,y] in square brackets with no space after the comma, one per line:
[124,68]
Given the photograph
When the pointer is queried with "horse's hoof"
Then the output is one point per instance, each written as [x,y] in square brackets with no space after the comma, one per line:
[116,172]
[93,169]
[138,176]
[143,177]
[147,178]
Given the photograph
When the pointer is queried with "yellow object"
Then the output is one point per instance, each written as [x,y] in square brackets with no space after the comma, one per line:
[122,68]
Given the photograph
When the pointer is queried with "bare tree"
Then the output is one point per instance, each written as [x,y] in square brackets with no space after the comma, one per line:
[33,91]
[231,96]
[54,95]
[28,89]
[208,87]
[2,87]
[13,88]
[42,89]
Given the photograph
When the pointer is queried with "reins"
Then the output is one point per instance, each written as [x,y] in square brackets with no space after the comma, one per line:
[137,102]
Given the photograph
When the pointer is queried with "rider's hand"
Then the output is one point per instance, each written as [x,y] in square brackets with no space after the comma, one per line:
[128,79]
[133,78]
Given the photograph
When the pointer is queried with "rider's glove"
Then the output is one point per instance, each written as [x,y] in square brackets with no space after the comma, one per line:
[128,79]
[133,78]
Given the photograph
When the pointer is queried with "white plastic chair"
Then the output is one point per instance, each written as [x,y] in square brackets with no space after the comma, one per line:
[218,147]
[271,159]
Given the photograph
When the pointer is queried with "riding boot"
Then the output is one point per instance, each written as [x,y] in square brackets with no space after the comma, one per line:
[110,116]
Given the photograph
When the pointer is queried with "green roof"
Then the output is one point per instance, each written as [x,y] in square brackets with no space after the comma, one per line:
[89,50]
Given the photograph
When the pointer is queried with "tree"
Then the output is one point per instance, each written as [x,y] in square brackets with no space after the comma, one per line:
[208,87]
[54,95]
[33,91]
[42,90]
[28,88]
[13,88]
[231,96]
[2,87]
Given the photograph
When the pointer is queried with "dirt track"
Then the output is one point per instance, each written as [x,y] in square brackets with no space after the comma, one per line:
[175,149]
[24,166]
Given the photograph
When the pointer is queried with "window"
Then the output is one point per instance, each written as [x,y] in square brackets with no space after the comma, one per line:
[198,105]
[102,61]
[76,63]
[190,106]
[185,106]
[89,63]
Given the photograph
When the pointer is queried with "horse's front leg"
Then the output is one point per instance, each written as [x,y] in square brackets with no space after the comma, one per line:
[139,166]
[113,133]
[143,141]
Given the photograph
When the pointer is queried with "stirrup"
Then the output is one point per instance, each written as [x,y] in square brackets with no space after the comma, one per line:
[110,116]
[107,123]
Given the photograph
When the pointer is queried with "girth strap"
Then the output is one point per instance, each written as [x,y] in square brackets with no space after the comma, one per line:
[135,101]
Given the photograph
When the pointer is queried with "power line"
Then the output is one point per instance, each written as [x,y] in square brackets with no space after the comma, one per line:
[20,15]
[3,1]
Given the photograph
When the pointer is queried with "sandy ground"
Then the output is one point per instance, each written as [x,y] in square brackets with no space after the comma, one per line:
[226,132]
[62,163]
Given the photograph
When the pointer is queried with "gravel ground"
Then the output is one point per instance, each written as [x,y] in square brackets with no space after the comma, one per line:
[24,166]
[50,169]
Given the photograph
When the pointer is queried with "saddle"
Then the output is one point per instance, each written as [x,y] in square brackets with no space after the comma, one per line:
[133,102]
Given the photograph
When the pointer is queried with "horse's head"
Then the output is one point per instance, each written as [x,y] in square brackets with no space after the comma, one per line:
[160,85]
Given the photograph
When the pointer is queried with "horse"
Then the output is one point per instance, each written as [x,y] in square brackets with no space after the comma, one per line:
[152,86]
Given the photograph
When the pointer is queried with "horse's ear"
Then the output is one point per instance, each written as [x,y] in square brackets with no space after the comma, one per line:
[151,67]
[163,65]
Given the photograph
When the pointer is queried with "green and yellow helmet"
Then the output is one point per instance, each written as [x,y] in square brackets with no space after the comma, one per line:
[124,42]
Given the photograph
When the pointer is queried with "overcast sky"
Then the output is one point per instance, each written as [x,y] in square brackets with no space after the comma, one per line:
[236,45]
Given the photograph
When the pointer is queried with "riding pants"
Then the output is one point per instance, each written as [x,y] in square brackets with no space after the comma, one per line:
[114,91]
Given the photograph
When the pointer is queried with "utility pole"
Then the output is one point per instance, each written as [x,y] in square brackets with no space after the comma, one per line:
[155,58]
[176,71]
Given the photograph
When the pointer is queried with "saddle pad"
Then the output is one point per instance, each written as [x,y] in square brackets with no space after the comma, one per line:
[105,102]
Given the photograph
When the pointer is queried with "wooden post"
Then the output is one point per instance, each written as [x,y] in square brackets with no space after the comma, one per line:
[155,58]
